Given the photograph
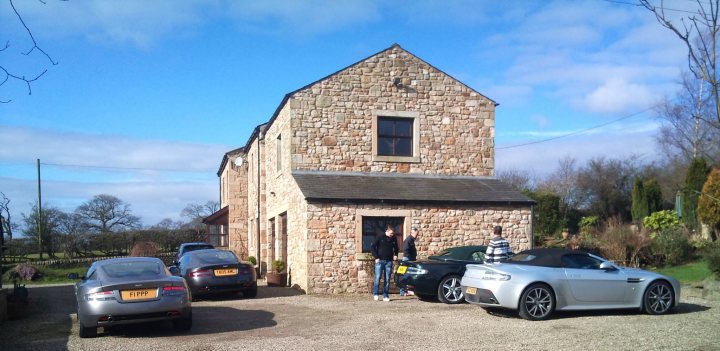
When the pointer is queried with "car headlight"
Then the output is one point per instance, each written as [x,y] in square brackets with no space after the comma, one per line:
[415,270]
[489,275]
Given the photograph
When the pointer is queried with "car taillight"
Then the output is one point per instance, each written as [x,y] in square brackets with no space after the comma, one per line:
[201,273]
[100,296]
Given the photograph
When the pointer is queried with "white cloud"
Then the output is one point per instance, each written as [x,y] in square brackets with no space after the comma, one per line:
[617,95]
[158,178]
[542,158]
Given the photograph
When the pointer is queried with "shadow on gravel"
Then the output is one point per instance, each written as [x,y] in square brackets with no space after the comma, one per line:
[206,320]
[264,292]
[46,324]
[683,308]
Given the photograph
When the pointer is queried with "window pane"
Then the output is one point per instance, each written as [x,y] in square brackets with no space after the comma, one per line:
[385,127]
[403,128]
[385,146]
[403,147]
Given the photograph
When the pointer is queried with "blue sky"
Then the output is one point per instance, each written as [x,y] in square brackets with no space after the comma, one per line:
[147,96]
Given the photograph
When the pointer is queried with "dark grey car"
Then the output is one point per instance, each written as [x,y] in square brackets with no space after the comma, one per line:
[130,290]
[214,271]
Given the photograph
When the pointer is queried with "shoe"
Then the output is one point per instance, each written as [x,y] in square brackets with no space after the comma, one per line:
[386,299]
[375,297]
[402,293]
[409,293]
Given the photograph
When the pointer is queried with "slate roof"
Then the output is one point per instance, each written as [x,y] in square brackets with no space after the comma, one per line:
[403,188]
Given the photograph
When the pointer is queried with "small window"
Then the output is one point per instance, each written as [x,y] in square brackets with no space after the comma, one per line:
[374,226]
[395,136]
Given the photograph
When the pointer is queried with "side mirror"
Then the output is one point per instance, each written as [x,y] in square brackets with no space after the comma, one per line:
[607,266]
[73,276]
[174,270]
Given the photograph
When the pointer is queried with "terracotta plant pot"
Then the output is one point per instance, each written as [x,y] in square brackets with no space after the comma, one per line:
[276,279]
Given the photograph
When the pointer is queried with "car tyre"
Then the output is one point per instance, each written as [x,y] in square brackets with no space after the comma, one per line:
[537,302]
[250,292]
[449,290]
[658,298]
[86,332]
[183,324]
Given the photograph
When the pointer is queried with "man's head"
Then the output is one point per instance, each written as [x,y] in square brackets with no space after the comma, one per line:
[497,230]
[415,232]
[389,231]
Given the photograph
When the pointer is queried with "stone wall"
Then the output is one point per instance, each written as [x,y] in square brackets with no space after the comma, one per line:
[234,194]
[332,120]
[336,264]
[255,150]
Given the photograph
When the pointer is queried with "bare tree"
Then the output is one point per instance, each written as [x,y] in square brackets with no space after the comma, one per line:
[106,213]
[195,213]
[699,31]
[34,48]
[606,186]
[685,132]
[5,214]
[520,180]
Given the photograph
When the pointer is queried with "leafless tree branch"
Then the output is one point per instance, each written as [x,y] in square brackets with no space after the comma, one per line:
[35,47]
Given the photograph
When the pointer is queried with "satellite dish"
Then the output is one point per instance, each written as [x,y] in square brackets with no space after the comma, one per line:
[238,161]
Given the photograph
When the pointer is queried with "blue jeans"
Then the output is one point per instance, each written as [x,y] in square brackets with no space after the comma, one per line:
[403,291]
[387,267]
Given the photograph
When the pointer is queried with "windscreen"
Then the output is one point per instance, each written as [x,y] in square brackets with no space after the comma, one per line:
[131,269]
[214,257]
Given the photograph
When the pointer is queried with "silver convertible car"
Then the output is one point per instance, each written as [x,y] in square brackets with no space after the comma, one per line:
[538,282]
[130,290]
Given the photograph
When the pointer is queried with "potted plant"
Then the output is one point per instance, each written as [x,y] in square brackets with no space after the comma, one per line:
[277,277]
[253,260]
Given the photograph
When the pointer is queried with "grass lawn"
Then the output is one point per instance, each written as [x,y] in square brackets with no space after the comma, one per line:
[693,272]
[50,274]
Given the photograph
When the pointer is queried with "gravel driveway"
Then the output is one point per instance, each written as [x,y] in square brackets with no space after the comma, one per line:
[279,319]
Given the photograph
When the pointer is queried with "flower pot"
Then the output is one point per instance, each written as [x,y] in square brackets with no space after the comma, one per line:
[276,279]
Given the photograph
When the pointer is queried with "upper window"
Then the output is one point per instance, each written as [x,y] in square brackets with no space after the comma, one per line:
[395,136]
[278,153]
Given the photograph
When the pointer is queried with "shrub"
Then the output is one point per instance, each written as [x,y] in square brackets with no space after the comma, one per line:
[661,220]
[278,266]
[671,247]
[26,272]
[588,224]
[252,260]
[145,249]
[712,256]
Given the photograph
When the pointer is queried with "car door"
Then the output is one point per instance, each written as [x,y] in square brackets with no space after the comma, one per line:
[591,285]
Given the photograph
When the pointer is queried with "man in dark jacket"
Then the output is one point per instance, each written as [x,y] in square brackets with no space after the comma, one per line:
[385,251]
[409,252]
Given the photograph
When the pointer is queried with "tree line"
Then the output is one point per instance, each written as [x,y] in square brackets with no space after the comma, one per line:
[102,224]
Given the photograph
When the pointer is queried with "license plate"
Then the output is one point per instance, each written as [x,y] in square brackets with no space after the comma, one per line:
[143,294]
[402,270]
[225,272]
[471,291]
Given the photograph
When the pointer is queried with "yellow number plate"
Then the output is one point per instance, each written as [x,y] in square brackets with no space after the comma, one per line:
[225,272]
[402,270]
[144,294]
[471,291]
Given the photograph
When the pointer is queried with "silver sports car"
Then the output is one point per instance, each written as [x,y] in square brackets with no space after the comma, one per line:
[540,281]
[130,290]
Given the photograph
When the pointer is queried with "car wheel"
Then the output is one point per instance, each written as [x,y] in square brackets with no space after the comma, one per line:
[658,298]
[449,290]
[537,302]
[250,292]
[86,332]
[183,324]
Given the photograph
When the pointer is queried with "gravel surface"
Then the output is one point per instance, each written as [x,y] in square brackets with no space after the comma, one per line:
[279,319]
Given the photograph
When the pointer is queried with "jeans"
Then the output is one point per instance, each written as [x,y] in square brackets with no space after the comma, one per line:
[403,291]
[387,267]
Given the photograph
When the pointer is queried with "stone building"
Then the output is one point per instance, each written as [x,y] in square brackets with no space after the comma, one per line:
[387,140]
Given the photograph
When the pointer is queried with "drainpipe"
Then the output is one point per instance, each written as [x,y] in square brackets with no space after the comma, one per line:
[261,136]
[532,226]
